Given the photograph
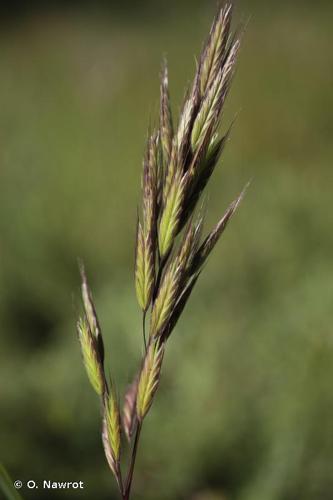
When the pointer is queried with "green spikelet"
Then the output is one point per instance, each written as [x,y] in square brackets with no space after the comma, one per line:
[185,124]
[90,312]
[144,269]
[215,48]
[91,357]
[208,112]
[170,215]
[112,423]
[149,379]
[146,232]
[165,299]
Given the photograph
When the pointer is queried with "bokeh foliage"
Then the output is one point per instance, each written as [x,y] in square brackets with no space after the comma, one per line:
[245,406]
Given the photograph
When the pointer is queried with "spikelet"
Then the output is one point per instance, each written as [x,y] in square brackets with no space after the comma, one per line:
[165,299]
[149,187]
[90,311]
[213,154]
[211,107]
[146,232]
[229,64]
[144,269]
[166,126]
[214,98]
[129,409]
[171,214]
[111,431]
[208,112]
[149,378]
[214,50]
[91,356]
[201,174]
[187,117]
[180,305]
[213,237]
[184,127]
[189,244]
[214,151]
[171,169]
[195,258]
[185,279]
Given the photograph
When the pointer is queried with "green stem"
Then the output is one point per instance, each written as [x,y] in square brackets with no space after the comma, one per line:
[131,468]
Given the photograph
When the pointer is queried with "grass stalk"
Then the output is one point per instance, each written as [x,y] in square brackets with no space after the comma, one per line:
[129,478]
[169,253]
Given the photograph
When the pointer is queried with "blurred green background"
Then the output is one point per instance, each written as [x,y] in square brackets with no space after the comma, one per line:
[245,408]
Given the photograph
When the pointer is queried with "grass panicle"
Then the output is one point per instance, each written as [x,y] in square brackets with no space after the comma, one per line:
[170,253]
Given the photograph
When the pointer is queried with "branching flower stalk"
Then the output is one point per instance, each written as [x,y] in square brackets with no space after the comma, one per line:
[169,253]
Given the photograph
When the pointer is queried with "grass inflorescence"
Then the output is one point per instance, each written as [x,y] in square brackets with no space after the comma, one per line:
[170,252]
